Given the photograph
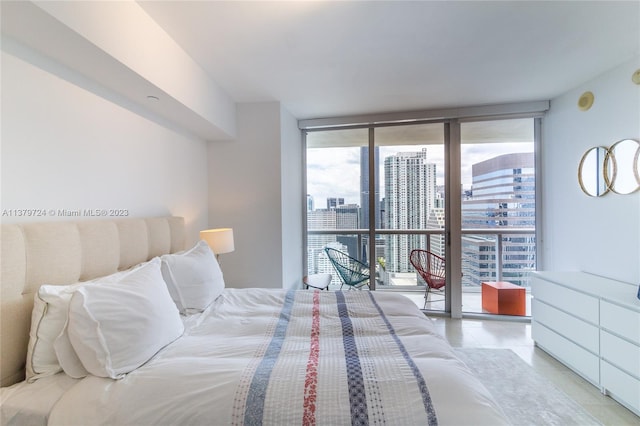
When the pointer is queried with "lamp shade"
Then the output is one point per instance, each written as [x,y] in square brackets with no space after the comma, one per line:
[220,240]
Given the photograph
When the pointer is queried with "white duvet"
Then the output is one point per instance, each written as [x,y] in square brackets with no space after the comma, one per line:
[273,357]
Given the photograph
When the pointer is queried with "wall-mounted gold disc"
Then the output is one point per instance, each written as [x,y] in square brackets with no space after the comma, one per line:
[585,101]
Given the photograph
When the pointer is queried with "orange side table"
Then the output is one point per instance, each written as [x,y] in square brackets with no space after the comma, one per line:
[503,298]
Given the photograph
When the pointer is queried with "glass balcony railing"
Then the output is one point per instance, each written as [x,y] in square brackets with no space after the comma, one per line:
[507,254]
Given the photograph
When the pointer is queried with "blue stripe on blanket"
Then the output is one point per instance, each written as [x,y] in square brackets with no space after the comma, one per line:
[422,384]
[357,396]
[258,388]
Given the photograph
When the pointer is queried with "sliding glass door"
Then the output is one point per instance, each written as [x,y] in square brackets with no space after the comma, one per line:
[410,174]
[498,208]
[377,194]
[336,193]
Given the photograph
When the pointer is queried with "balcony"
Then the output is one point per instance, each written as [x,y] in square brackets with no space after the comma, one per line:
[471,301]
[506,254]
[471,298]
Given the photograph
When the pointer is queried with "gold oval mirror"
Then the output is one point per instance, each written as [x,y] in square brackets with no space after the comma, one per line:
[623,157]
[591,172]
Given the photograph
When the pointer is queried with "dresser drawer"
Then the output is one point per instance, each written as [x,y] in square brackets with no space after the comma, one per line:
[621,386]
[580,360]
[574,329]
[620,353]
[623,322]
[566,309]
[575,303]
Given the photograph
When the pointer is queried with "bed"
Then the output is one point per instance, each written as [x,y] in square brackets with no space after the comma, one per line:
[138,343]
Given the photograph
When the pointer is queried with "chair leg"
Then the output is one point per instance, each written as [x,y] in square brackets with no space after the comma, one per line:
[426,296]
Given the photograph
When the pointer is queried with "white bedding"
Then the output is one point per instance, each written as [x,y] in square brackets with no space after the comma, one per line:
[259,356]
[30,403]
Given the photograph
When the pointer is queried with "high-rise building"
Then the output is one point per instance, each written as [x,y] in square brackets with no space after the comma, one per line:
[503,193]
[502,196]
[347,216]
[334,202]
[364,186]
[317,220]
[310,205]
[365,213]
[410,189]
[436,221]
[343,216]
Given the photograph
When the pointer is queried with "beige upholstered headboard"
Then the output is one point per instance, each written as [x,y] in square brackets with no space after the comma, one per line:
[64,253]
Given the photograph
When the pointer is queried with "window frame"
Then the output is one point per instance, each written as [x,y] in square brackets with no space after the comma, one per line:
[451,119]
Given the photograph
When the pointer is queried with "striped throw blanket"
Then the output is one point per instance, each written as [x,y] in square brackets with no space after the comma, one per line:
[332,358]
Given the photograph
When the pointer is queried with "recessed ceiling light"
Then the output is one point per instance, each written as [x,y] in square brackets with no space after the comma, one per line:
[636,76]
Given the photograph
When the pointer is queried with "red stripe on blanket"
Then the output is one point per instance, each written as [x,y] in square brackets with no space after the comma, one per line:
[311,379]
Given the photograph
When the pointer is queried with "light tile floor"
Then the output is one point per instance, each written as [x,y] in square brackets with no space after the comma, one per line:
[474,333]
[471,301]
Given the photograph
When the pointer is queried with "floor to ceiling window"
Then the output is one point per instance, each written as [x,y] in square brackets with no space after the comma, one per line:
[336,193]
[498,207]
[410,173]
[376,192]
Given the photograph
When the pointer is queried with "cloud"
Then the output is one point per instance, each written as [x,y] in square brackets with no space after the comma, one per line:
[335,172]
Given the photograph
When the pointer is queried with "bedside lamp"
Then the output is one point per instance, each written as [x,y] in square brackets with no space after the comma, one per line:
[219,240]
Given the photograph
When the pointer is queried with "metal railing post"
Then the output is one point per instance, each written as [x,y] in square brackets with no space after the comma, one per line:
[499,257]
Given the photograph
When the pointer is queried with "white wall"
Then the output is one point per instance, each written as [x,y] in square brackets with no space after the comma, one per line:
[292,200]
[596,235]
[249,192]
[65,148]
[146,51]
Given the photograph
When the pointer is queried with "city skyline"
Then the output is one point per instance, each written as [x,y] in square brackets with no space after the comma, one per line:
[503,196]
[331,169]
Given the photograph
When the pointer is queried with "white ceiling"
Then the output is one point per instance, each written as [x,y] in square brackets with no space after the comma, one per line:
[335,58]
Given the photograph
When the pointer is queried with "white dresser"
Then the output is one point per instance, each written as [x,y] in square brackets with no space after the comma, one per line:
[592,325]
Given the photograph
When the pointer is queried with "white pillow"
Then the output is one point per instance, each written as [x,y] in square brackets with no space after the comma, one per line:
[194,278]
[67,357]
[64,351]
[114,328]
[48,318]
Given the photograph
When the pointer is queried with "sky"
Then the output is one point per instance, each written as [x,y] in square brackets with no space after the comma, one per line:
[335,172]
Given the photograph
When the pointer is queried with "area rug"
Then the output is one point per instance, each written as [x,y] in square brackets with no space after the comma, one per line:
[526,397]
